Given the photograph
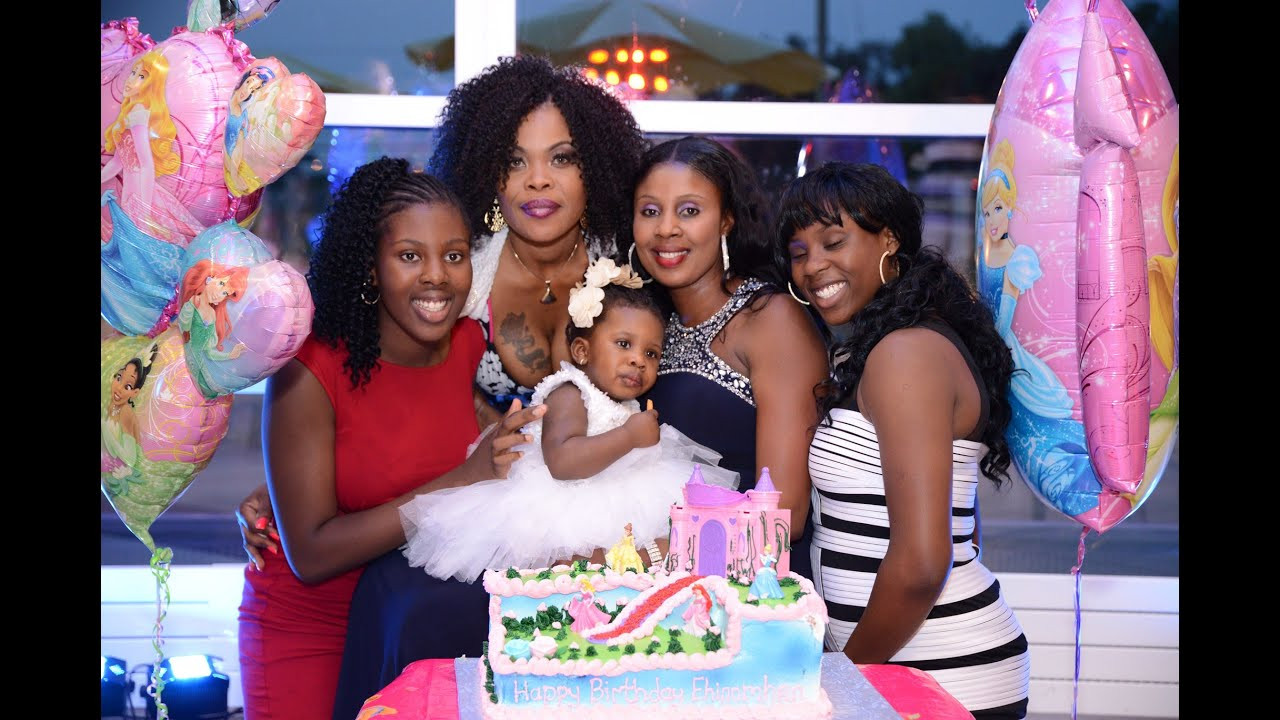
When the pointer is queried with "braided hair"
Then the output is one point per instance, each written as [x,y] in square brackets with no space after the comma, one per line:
[343,260]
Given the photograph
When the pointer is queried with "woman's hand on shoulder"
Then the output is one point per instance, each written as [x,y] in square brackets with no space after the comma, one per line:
[507,435]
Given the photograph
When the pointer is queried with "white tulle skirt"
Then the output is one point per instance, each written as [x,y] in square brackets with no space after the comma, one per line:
[532,520]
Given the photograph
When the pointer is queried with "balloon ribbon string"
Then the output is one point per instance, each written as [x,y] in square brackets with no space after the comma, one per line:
[1075,572]
[160,559]
[1032,12]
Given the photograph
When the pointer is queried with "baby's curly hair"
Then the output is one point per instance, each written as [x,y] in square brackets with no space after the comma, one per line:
[343,259]
[477,135]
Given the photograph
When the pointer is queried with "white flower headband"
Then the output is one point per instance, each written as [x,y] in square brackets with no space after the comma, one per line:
[585,299]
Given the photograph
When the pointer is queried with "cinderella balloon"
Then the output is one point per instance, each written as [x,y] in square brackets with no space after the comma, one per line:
[1073,251]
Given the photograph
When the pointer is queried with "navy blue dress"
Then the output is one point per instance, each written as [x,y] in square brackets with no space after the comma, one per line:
[700,395]
[399,615]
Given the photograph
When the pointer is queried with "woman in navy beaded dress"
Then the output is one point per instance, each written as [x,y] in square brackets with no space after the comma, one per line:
[742,358]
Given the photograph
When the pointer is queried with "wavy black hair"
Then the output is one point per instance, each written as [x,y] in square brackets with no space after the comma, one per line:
[477,136]
[618,296]
[750,240]
[927,287]
[343,260]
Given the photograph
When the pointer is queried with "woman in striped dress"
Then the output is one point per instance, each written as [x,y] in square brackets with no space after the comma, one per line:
[917,393]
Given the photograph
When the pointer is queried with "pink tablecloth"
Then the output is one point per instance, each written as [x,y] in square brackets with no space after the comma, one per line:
[428,690]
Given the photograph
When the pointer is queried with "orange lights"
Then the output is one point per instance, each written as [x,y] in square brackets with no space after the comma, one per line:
[636,81]
[592,73]
[660,84]
[611,77]
[658,55]
[599,56]
[622,55]
[637,56]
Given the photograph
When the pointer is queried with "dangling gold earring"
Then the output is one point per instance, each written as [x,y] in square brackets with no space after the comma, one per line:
[880,267]
[493,218]
[793,294]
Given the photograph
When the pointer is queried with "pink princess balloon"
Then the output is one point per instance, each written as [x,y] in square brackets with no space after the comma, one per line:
[163,148]
[158,431]
[1073,189]
[242,313]
[273,118]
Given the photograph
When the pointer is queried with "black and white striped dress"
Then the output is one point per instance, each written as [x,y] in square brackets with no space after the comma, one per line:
[971,643]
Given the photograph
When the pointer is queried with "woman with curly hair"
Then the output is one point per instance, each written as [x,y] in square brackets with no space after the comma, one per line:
[376,408]
[741,358]
[916,406]
[541,157]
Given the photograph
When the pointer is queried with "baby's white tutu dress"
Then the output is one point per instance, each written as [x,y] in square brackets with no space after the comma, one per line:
[532,520]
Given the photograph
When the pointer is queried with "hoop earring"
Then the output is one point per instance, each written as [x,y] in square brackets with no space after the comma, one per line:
[880,267]
[364,294]
[793,294]
[631,252]
[724,250]
[493,218]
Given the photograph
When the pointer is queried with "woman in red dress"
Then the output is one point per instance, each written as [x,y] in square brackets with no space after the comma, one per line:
[375,408]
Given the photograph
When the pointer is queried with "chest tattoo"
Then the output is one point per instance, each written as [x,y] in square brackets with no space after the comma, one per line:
[515,332]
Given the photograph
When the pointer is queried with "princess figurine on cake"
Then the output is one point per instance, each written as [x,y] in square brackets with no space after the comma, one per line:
[596,461]
[623,556]
[765,585]
[583,608]
[697,618]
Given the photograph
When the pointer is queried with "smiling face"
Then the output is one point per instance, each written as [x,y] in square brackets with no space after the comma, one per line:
[124,385]
[216,289]
[837,267]
[622,352]
[678,222]
[422,272]
[543,197]
[995,219]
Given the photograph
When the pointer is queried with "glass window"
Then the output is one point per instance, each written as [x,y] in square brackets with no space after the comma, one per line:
[909,51]
[344,46]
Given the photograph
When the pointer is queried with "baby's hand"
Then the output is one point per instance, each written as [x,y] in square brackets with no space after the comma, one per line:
[643,427]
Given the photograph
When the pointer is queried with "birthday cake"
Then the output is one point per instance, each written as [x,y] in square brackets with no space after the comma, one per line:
[719,629]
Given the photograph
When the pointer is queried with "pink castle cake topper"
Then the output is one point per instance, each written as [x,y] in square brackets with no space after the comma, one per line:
[718,531]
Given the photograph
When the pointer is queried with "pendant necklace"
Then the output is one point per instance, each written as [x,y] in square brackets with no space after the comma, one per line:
[548,297]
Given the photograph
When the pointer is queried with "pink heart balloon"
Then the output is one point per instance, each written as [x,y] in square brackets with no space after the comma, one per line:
[158,431]
[273,119]
[165,141]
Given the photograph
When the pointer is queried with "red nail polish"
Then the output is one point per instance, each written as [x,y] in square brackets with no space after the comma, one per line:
[274,550]
[261,523]
[273,535]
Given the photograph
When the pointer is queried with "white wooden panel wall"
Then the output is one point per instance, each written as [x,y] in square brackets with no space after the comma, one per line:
[1129,632]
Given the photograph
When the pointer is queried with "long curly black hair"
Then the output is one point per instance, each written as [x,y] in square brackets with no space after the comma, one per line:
[477,136]
[343,260]
[750,240]
[927,287]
